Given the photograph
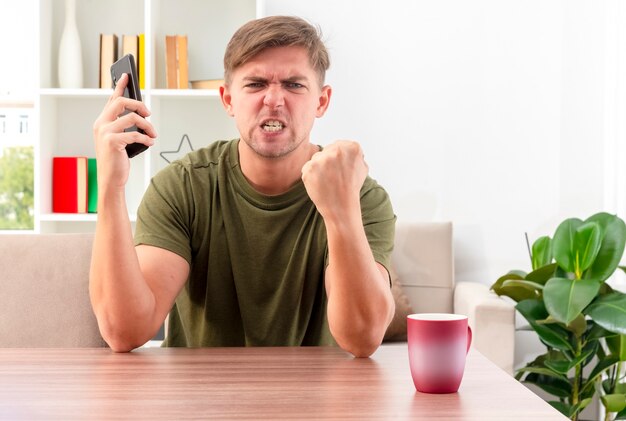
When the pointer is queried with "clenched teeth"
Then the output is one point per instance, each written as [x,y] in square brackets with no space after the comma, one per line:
[272,126]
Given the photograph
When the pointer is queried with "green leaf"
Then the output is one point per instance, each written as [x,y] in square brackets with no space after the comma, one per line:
[621,415]
[510,275]
[566,298]
[620,388]
[614,402]
[606,289]
[587,241]
[578,326]
[600,367]
[541,252]
[552,335]
[612,248]
[531,286]
[582,404]
[562,407]
[564,366]
[617,346]
[532,310]
[563,244]
[597,332]
[543,274]
[590,350]
[552,385]
[542,370]
[570,410]
[514,292]
[609,311]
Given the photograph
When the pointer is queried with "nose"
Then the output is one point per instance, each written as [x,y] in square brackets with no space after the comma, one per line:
[274,96]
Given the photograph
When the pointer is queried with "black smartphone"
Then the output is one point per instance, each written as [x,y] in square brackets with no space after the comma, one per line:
[126,64]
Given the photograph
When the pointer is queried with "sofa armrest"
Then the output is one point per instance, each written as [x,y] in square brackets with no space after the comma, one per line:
[492,320]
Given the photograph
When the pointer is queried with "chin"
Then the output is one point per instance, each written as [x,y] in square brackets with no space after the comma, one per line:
[271,148]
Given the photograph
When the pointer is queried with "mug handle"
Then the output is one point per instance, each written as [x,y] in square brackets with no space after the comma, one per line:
[469,338]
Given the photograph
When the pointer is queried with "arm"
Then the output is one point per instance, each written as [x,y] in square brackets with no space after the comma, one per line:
[360,304]
[131,289]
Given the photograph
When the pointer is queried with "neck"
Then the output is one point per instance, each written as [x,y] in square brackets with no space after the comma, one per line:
[274,176]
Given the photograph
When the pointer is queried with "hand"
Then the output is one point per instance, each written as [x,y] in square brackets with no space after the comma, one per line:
[333,179]
[111,140]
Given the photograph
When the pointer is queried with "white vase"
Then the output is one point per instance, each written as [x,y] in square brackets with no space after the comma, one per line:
[70,56]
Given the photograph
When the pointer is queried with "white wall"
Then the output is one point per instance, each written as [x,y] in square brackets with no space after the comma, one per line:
[488,113]
[18,70]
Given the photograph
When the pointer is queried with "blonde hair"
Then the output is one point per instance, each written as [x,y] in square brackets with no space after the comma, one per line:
[275,31]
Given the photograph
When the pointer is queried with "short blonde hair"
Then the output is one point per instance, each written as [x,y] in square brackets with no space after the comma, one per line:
[276,31]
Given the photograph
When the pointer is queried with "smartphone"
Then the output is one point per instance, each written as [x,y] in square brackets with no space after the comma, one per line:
[126,64]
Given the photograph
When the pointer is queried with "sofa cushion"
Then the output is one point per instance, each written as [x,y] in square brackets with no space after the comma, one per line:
[397,328]
[44,291]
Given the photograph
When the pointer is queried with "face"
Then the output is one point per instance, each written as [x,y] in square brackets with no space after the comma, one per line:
[275,98]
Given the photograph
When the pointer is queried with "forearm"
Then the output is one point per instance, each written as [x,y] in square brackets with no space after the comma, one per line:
[121,298]
[360,304]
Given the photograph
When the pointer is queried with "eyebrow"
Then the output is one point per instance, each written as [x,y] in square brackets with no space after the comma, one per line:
[264,79]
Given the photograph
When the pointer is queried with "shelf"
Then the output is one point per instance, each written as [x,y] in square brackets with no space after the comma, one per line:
[105,93]
[62,217]
[74,217]
[76,93]
[185,93]
[65,117]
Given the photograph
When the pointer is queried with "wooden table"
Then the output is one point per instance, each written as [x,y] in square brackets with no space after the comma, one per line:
[248,383]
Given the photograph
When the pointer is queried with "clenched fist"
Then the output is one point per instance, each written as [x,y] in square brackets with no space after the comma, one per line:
[333,179]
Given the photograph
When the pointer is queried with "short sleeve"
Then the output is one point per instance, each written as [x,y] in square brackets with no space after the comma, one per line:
[165,213]
[379,221]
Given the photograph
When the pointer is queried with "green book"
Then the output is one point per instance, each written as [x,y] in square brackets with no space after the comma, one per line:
[92,182]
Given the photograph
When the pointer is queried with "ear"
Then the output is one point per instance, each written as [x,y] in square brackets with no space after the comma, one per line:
[324,101]
[226,100]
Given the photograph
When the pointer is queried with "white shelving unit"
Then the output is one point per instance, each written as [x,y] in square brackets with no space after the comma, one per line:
[66,116]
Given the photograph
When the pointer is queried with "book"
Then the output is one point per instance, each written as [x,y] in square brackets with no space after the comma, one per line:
[69,184]
[108,56]
[141,61]
[176,62]
[171,74]
[92,185]
[130,45]
[207,84]
[181,60]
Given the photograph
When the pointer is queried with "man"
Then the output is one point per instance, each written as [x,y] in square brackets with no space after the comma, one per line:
[263,240]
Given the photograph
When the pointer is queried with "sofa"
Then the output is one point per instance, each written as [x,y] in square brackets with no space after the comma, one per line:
[423,281]
[44,291]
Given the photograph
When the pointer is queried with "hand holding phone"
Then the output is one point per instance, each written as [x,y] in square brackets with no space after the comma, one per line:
[126,65]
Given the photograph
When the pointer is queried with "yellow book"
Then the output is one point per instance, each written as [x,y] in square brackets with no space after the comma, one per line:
[141,61]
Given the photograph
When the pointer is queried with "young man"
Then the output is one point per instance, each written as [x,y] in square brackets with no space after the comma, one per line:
[266,240]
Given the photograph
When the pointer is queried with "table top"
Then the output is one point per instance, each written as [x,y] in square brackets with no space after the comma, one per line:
[249,383]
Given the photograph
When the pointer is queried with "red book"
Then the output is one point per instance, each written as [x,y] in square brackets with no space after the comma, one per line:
[69,184]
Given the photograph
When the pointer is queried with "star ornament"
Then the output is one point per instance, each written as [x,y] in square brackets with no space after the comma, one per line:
[184,147]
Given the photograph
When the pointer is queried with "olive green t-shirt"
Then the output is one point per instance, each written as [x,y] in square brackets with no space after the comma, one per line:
[256,261]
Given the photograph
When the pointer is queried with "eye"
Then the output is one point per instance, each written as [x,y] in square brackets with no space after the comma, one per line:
[255,85]
[294,85]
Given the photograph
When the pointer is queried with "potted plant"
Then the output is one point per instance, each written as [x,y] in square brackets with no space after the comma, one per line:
[578,317]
